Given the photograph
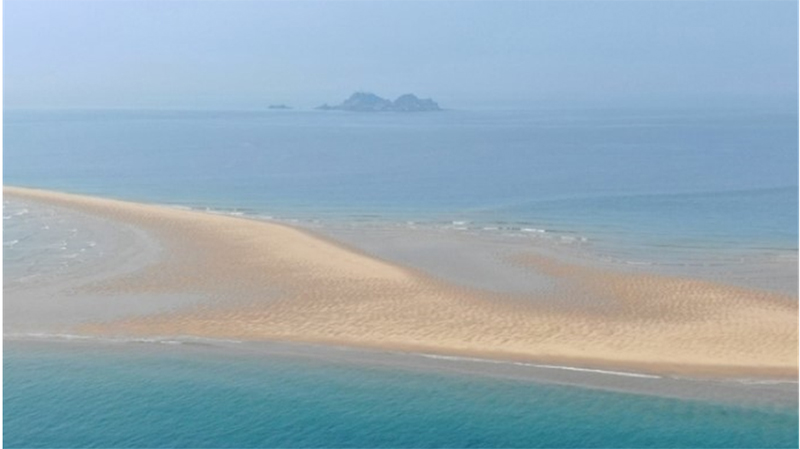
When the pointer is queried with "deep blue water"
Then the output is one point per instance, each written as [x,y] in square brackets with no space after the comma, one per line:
[157,396]
[635,179]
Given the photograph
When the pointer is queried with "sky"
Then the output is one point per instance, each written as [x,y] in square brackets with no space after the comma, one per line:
[464,54]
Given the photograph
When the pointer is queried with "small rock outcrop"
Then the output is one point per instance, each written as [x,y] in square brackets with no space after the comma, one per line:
[411,103]
[369,102]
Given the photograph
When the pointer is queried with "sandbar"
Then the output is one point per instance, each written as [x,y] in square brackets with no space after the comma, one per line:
[256,280]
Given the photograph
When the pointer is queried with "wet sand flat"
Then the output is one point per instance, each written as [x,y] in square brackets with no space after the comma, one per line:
[267,281]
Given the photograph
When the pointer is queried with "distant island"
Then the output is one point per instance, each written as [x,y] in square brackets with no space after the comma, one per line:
[279,106]
[368,102]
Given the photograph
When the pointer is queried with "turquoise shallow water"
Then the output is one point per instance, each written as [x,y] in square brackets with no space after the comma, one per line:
[140,395]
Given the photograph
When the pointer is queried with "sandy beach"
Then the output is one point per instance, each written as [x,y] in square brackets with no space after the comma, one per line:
[231,277]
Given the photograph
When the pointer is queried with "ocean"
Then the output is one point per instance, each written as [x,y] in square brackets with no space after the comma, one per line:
[151,395]
[642,186]
[633,180]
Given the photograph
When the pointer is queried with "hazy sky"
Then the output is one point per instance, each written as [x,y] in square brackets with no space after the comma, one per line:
[464,54]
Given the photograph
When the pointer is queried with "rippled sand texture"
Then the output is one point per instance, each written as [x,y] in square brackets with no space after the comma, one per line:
[265,281]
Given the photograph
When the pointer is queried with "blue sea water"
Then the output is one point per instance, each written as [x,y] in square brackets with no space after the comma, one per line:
[171,396]
[644,182]
[640,180]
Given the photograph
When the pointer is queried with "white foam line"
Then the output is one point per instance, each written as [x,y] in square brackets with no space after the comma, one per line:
[535,365]
[177,206]
[46,336]
[176,340]
[201,339]
[764,382]
[598,371]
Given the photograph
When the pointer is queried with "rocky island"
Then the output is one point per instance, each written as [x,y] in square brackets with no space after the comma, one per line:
[369,102]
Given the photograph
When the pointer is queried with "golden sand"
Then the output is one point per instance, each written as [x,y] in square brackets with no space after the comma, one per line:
[267,281]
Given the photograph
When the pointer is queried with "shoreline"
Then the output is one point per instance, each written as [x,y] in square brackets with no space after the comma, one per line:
[746,392]
[289,284]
